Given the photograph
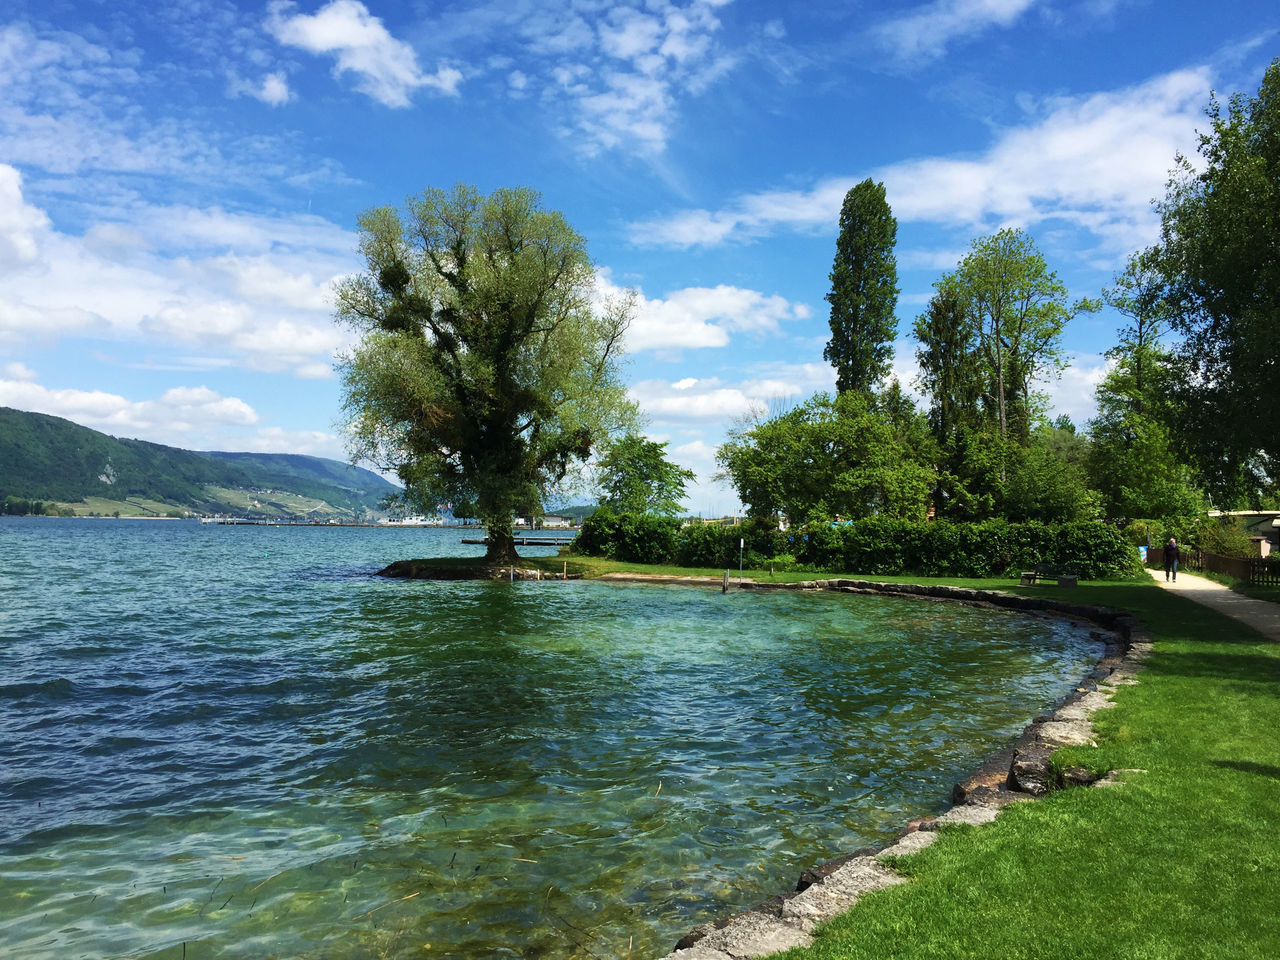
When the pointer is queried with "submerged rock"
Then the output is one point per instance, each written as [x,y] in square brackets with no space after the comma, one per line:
[431,570]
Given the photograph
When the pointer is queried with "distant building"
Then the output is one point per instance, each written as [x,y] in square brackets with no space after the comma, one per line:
[1262,526]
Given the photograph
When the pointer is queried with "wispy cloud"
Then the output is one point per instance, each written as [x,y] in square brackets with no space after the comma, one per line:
[72,108]
[1095,162]
[619,75]
[925,32]
[384,68]
[272,89]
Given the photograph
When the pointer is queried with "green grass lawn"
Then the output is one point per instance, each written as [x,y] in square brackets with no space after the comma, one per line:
[133,507]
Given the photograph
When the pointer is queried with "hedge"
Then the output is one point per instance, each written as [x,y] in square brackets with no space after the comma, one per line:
[876,545]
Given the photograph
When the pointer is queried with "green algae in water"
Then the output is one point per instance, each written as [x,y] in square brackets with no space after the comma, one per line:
[264,751]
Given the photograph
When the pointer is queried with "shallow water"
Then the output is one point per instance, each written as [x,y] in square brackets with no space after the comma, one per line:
[236,742]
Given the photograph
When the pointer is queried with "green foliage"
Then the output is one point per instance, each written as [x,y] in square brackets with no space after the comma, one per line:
[21,507]
[1048,481]
[851,455]
[871,546]
[630,537]
[1218,249]
[1132,459]
[1225,536]
[483,371]
[948,365]
[864,290]
[1014,309]
[636,477]
[1140,292]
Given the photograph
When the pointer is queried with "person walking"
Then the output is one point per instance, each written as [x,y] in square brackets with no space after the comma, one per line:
[1171,556]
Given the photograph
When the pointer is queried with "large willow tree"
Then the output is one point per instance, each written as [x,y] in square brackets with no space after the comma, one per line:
[486,369]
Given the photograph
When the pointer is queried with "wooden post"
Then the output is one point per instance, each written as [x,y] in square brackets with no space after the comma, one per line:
[726,582]
[564,574]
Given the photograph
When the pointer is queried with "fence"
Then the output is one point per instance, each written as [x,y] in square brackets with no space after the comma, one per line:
[1253,570]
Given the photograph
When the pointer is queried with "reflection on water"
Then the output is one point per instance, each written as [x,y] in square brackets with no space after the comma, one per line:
[234,741]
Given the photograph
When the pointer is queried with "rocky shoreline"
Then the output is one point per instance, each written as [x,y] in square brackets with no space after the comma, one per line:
[429,570]
[1019,773]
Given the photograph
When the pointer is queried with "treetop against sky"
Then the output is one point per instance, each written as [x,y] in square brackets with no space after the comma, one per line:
[180,183]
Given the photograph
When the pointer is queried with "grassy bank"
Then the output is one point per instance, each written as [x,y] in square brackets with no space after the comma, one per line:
[1179,861]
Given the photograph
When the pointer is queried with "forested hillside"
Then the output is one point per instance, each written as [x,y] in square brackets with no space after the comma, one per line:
[49,458]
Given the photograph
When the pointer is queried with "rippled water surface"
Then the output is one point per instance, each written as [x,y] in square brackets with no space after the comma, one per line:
[236,742]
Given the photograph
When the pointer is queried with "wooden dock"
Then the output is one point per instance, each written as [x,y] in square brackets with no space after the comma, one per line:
[530,541]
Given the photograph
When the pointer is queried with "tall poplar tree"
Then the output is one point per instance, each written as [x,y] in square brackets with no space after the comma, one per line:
[864,290]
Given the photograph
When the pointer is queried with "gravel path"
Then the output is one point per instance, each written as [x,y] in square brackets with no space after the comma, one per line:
[1262,615]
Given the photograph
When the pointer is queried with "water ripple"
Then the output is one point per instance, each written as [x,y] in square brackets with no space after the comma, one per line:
[239,738]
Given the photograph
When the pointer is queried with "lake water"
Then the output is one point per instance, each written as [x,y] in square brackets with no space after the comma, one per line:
[238,742]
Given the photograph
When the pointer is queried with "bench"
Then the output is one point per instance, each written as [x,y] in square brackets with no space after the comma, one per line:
[1046,572]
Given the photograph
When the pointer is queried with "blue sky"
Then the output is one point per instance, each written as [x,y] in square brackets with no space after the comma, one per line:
[179,182]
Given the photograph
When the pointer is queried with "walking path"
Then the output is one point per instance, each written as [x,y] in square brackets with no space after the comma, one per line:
[1262,615]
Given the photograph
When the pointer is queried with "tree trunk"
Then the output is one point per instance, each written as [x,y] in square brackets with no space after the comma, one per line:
[502,543]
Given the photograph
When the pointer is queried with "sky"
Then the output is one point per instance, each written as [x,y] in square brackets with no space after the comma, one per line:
[180,182]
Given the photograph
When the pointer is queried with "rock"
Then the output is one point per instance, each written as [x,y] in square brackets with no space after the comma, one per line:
[1078,777]
[697,934]
[820,873]
[1030,772]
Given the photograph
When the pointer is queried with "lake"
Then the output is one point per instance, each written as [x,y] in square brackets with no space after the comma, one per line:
[239,742]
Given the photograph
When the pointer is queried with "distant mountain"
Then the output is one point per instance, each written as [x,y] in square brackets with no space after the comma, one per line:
[49,458]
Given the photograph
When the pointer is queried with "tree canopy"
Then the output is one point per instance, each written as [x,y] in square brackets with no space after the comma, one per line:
[864,290]
[1016,309]
[486,369]
[636,477]
[848,455]
[1220,256]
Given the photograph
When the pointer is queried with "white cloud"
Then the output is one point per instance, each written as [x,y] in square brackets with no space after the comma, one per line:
[385,68]
[696,317]
[1095,161]
[627,33]
[925,33]
[173,418]
[20,223]
[706,401]
[17,371]
[274,89]
[195,418]
[315,443]
[69,107]
[621,73]
[247,288]
[1073,393]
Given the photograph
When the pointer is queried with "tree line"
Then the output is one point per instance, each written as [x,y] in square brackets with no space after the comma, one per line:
[486,370]
[1187,412]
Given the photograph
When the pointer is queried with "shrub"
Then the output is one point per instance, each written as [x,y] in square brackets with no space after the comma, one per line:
[873,545]
[630,537]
